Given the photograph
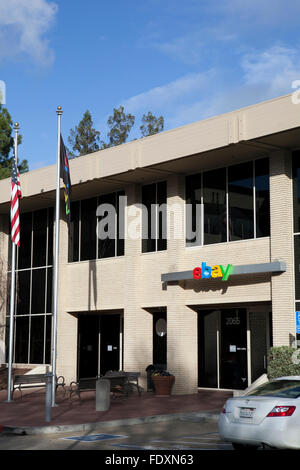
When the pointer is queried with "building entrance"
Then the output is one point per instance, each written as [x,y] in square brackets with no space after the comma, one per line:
[233,351]
[232,347]
[99,344]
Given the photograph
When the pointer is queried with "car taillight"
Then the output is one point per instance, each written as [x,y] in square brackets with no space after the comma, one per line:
[282,411]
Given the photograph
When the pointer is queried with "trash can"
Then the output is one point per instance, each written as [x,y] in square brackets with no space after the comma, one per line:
[102,394]
[150,369]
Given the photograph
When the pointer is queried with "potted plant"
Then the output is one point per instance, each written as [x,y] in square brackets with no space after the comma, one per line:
[163,382]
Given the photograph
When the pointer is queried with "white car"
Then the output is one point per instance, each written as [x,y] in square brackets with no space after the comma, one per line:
[268,415]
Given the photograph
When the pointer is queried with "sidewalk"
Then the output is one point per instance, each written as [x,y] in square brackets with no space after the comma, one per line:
[28,414]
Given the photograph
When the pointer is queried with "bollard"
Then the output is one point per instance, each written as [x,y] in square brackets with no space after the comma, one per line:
[102,394]
[48,397]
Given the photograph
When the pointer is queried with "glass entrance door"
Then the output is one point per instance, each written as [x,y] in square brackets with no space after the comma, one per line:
[98,344]
[110,343]
[208,327]
[222,349]
[260,341]
[233,351]
[88,328]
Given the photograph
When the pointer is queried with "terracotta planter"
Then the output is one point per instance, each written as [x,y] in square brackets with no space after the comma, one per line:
[163,384]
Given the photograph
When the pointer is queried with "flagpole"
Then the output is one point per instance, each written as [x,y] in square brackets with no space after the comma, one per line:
[55,270]
[12,291]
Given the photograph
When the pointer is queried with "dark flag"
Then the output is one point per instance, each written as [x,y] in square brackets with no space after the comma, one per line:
[65,175]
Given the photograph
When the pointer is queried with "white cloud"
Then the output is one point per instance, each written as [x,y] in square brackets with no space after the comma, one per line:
[258,76]
[263,75]
[166,95]
[188,49]
[23,24]
[253,12]
[194,47]
[274,69]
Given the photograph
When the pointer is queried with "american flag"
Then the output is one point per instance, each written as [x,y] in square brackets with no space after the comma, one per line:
[14,204]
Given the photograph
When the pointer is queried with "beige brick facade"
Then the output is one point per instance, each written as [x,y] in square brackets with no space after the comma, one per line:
[131,285]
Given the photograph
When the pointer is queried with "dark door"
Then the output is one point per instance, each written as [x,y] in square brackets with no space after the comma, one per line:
[207,348]
[110,343]
[234,349]
[88,337]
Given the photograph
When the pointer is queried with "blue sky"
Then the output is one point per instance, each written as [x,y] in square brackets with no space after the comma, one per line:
[186,60]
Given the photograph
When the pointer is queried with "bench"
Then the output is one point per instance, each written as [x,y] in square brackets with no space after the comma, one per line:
[119,381]
[82,385]
[21,382]
[133,380]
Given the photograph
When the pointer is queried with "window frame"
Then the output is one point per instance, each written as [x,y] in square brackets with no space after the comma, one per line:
[157,226]
[189,244]
[116,255]
[30,269]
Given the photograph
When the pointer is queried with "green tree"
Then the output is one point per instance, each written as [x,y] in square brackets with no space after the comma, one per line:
[84,138]
[120,125]
[151,124]
[7,144]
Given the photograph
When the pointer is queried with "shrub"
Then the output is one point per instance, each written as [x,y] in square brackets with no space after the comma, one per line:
[280,362]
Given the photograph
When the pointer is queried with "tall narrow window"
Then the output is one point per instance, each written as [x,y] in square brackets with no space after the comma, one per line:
[107,246]
[39,238]
[113,244]
[24,252]
[120,223]
[74,232]
[240,196]
[149,218]
[34,288]
[214,199]
[262,197]
[88,229]
[296,212]
[162,216]
[193,214]
[297,265]
[154,223]
[296,191]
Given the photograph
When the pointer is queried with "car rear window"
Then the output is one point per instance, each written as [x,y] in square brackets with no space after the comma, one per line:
[278,388]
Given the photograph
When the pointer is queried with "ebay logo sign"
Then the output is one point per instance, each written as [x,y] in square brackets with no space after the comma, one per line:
[217,270]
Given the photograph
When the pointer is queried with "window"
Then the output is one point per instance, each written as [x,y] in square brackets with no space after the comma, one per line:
[296,191]
[34,288]
[194,208]
[107,246]
[154,217]
[73,252]
[88,229]
[240,199]
[83,241]
[262,198]
[228,204]
[214,199]
[296,213]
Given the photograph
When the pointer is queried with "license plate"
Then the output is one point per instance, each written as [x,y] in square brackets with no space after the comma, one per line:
[246,412]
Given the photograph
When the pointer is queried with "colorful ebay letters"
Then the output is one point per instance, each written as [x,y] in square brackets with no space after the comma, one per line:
[215,271]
